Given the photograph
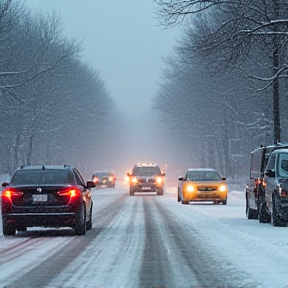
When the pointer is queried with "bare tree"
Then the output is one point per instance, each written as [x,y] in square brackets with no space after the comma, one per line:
[231,29]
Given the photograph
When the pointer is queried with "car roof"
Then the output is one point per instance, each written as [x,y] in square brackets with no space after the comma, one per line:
[145,164]
[45,167]
[201,169]
[281,150]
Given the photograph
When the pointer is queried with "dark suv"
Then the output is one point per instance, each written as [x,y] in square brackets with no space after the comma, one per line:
[256,187]
[47,196]
[146,177]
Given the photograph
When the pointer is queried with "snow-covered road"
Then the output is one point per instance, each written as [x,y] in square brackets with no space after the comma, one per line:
[150,241]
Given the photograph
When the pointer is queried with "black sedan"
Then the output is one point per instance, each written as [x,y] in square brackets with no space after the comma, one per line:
[46,196]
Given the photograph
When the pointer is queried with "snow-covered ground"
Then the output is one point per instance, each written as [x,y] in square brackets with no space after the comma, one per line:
[256,252]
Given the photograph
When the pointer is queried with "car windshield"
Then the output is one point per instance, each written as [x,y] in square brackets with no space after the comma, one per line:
[44,177]
[203,176]
[141,171]
[101,174]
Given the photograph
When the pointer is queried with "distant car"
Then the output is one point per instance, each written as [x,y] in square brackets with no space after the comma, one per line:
[202,184]
[104,178]
[47,196]
[146,177]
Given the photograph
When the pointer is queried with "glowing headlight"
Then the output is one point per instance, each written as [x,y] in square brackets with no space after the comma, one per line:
[222,188]
[127,178]
[190,188]
[134,180]
[159,180]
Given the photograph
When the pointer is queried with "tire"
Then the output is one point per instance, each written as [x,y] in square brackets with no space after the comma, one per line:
[276,221]
[185,202]
[131,191]
[160,191]
[21,228]
[251,213]
[80,228]
[89,222]
[263,214]
[8,230]
[178,197]
[224,202]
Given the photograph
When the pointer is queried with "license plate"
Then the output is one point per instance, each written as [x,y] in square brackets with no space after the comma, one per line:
[146,188]
[40,198]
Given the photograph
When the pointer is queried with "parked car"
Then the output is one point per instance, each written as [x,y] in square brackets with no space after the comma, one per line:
[146,177]
[202,184]
[255,187]
[104,178]
[274,204]
[47,196]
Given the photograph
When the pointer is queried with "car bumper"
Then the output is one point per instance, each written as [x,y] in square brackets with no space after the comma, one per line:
[145,188]
[204,196]
[41,219]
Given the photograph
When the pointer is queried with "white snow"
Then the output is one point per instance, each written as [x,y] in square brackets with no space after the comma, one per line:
[257,251]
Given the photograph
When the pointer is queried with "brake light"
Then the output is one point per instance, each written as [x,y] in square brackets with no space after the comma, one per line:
[74,194]
[7,197]
[10,193]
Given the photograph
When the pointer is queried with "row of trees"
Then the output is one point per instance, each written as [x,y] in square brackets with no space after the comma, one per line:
[224,90]
[54,108]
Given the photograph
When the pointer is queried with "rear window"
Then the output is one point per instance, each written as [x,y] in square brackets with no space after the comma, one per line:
[42,177]
[142,171]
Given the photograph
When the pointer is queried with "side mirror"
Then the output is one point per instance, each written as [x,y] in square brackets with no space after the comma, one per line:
[90,184]
[270,173]
[181,179]
[223,178]
[128,174]
[163,174]
[5,184]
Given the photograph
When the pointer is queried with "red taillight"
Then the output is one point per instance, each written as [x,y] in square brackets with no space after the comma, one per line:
[7,198]
[10,193]
[74,194]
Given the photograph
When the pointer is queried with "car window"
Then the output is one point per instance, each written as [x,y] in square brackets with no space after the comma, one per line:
[203,176]
[79,178]
[24,177]
[271,163]
[282,165]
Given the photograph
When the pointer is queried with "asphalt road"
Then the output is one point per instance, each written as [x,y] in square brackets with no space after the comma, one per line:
[144,241]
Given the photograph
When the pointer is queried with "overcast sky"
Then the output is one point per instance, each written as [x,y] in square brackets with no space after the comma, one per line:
[122,40]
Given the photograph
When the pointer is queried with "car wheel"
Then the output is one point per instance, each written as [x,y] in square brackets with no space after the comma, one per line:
[8,230]
[263,214]
[224,202]
[178,197]
[250,213]
[185,202]
[131,192]
[80,228]
[160,191]
[89,222]
[275,219]
[21,228]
